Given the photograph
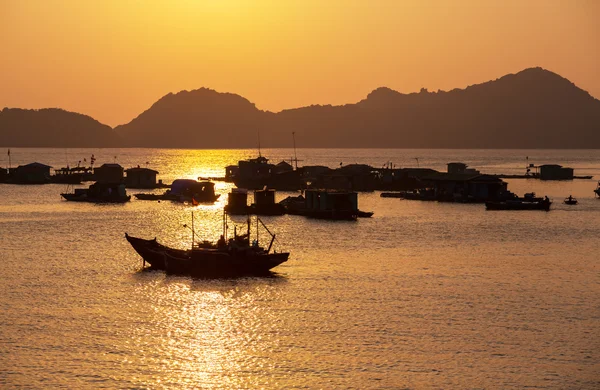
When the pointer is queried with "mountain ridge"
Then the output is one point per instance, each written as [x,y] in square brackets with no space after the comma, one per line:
[533,108]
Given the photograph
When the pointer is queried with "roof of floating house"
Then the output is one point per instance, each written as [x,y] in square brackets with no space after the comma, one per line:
[35,165]
[138,169]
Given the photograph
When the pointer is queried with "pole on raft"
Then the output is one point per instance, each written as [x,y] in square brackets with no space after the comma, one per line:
[193,230]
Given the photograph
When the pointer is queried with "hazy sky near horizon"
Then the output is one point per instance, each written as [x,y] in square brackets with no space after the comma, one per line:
[113,59]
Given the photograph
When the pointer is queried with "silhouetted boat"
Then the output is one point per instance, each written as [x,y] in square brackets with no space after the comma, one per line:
[365,214]
[185,190]
[236,257]
[230,260]
[70,175]
[392,195]
[519,204]
[570,200]
[99,193]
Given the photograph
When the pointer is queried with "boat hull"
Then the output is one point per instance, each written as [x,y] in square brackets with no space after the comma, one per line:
[206,262]
[210,263]
[151,251]
[92,199]
[544,206]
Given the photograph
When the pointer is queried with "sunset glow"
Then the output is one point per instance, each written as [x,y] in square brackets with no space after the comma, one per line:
[113,59]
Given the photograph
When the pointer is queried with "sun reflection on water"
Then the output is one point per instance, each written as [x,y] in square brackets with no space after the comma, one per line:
[202,332]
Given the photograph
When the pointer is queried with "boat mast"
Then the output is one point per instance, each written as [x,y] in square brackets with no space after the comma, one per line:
[268,231]
[295,156]
[193,233]
[259,155]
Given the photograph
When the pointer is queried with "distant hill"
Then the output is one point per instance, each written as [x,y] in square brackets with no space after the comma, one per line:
[201,118]
[53,127]
[534,108]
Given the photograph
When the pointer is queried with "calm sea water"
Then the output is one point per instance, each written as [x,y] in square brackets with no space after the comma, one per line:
[422,295]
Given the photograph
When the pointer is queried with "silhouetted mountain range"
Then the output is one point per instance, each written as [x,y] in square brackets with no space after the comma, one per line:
[534,108]
[53,127]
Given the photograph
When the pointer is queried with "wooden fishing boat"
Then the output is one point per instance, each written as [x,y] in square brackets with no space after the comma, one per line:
[570,200]
[227,258]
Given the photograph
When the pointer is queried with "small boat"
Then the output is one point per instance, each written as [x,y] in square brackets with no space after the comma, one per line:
[227,258]
[597,190]
[185,190]
[392,195]
[99,193]
[529,202]
[570,200]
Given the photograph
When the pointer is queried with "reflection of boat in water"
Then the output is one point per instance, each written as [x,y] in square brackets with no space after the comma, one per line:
[185,190]
[528,202]
[233,257]
[570,200]
[99,193]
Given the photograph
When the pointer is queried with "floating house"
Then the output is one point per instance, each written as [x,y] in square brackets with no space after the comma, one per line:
[264,203]
[342,205]
[403,179]
[555,172]
[34,173]
[254,173]
[3,175]
[109,173]
[99,192]
[237,201]
[467,187]
[141,178]
[354,177]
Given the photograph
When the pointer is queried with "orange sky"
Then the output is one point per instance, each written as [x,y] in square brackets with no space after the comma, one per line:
[113,59]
